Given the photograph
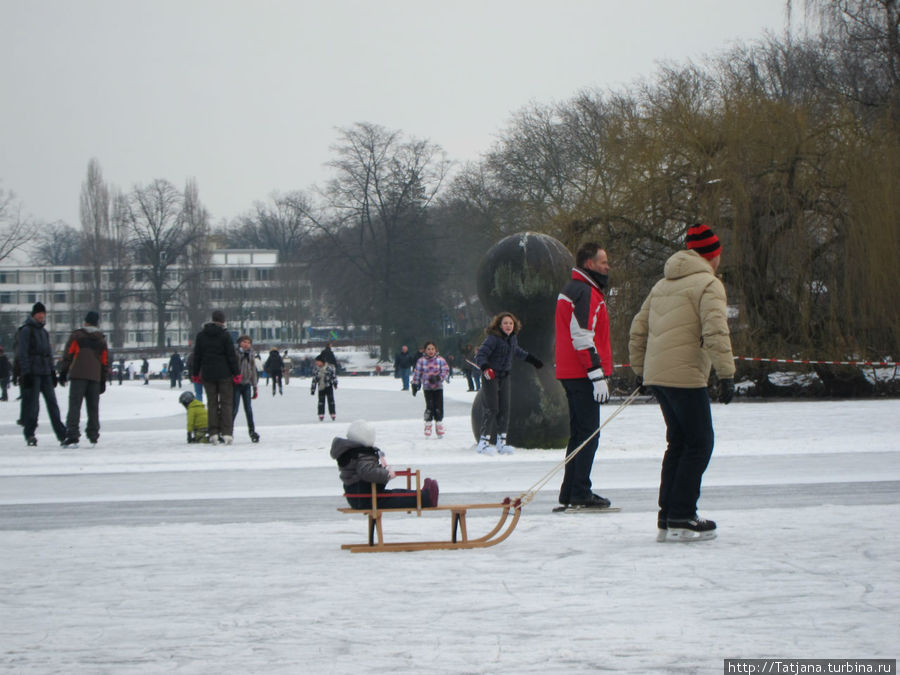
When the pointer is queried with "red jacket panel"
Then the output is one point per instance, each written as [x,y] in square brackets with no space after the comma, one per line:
[582,329]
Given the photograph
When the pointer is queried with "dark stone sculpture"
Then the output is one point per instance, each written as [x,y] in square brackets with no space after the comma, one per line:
[523,274]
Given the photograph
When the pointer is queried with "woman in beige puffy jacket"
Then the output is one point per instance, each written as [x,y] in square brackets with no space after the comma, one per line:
[679,334]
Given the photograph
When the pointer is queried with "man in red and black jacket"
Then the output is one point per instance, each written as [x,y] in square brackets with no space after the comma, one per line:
[583,361]
[85,366]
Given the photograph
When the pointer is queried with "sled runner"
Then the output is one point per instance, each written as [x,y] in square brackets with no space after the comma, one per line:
[510,510]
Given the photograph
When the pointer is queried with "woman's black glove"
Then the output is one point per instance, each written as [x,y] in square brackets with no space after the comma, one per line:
[535,361]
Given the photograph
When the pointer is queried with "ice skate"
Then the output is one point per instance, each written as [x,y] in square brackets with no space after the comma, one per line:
[31,440]
[227,440]
[428,428]
[70,443]
[254,437]
[439,429]
[213,439]
[690,529]
[485,447]
[333,417]
[321,417]
[502,447]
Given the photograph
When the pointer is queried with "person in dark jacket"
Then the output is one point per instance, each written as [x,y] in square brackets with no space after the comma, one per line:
[274,368]
[215,364]
[362,464]
[145,371]
[176,367]
[328,356]
[5,373]
[494,357]
[85,365]
[403,363]
[37,375]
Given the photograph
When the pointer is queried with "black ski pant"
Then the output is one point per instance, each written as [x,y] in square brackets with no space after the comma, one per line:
[219,400]
[276,382]
[86,391]
[326,394]
[584,418]
[495,398]
[387,499]
[42,386]
[690,439]
[434,405]
[243,392]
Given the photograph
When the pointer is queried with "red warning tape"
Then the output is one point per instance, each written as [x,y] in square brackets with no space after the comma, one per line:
[888,364]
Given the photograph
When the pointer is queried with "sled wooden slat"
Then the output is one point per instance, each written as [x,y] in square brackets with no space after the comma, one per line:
[459,532]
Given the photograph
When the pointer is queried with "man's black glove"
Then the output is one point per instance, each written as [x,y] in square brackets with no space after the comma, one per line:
[26,381]
[54,376]
[639,383]
[63,378]
[535,361]
[415,389]
[726,390]
[102,386]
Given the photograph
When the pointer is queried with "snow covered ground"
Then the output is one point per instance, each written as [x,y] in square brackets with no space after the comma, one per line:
[146,555]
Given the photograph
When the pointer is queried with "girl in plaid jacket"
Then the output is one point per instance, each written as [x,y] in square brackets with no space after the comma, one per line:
[430,372]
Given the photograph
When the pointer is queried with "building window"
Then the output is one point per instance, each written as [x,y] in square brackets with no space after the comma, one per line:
[59,277]
[59,298]
[240,275]
[31,298]
[215,275]
[7,277]
[6,299]
[264,274]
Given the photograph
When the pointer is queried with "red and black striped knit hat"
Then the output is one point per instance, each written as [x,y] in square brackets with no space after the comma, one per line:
[702,239]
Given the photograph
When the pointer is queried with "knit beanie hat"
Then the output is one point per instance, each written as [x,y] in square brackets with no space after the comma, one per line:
[38,307]
[92,318]
[361,432]
[702,239]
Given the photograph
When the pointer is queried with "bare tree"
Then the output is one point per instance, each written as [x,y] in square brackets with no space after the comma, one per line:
[160,236]
[94,214]
[374,224]
[15,229]
[119,286]
[57,244]
[197,255]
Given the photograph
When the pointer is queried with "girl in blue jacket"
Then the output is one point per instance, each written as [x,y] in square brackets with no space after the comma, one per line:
[494,357]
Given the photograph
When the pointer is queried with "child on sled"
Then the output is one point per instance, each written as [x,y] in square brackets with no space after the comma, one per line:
[362,464]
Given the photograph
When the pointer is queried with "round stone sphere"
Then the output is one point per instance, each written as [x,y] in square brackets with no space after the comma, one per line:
[524,274]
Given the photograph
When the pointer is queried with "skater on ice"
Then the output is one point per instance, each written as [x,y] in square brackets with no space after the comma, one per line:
[583,362]
[36,372]
[679,334]
[494,358]
[324,378]
[362,464]
[85,365]
[274,368]
[429,374]
[247,389]
[215,364]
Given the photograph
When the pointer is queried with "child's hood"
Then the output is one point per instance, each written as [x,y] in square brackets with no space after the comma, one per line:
[339,446]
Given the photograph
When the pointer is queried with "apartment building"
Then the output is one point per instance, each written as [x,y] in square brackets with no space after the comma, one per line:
[269,301]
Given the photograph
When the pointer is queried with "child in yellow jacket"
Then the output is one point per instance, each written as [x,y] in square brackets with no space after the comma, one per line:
[197,419]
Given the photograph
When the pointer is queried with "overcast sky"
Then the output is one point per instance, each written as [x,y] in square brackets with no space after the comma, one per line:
[245,96]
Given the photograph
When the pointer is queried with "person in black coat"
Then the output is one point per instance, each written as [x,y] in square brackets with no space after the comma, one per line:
[274,367]
[5,373]
[176,366]
[37,375]
[215,364]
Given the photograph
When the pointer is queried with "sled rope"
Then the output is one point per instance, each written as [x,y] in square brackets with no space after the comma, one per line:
[529,494]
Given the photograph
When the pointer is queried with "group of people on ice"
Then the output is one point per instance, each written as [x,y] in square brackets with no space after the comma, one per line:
[677,337]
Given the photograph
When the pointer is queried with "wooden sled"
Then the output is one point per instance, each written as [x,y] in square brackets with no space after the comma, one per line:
[510,511]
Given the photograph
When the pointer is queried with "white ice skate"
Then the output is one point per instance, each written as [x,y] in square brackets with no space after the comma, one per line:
[502,447]
[485,447]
